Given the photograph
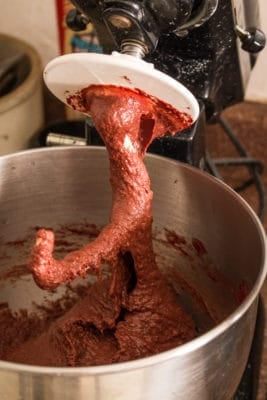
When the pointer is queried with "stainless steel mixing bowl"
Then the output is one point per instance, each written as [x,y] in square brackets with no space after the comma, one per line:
[58,186]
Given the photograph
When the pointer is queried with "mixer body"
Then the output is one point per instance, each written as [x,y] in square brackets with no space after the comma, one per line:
[208,45]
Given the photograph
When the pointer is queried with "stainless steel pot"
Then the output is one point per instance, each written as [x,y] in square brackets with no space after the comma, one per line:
[55,186]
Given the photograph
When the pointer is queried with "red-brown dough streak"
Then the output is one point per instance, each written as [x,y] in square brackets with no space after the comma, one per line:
[134,313]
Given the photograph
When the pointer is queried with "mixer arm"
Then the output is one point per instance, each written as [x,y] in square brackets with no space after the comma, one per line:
[134,27]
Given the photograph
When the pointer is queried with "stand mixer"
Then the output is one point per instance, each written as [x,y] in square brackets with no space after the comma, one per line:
[210,46]
[189,54]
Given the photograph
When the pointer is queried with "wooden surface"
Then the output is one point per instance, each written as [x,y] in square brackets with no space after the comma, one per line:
[249,122]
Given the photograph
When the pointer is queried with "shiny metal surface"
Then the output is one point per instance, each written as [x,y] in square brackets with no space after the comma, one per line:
[206,9]
[55,186]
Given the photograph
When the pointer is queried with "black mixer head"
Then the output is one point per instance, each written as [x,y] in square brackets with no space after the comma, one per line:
[207,45]
[139,24]
[210,46]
